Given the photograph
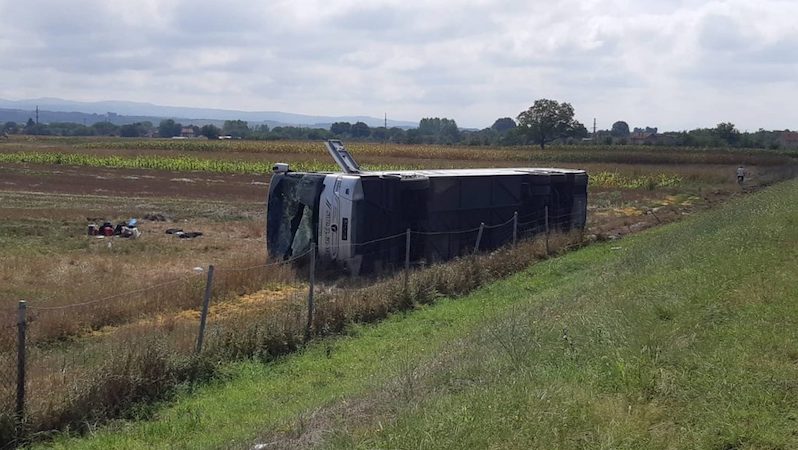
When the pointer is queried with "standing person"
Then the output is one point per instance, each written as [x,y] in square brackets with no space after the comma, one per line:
[740,175]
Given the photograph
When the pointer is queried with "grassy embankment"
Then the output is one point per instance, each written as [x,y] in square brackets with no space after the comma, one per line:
[681,337]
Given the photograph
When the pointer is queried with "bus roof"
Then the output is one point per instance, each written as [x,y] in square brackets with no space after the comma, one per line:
[434,173]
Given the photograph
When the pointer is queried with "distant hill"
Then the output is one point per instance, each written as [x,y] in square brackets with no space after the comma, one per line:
[59,110]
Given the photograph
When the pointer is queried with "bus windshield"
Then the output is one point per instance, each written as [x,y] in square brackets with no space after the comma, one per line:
[292,213]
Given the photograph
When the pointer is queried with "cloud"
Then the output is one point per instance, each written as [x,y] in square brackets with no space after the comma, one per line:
[673,64]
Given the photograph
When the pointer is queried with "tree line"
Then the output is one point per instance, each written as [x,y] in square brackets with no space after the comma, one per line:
[545,121]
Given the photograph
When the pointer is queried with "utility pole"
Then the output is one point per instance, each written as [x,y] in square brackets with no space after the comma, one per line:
[594,128]
[37,114]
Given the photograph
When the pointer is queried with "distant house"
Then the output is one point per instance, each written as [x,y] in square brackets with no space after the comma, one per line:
[643,138]
[788,139]
[187,132]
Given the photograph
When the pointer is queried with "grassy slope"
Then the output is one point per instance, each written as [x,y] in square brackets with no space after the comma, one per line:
[681,337]
[687,339]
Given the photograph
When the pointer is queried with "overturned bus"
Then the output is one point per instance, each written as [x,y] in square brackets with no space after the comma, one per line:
[360,219]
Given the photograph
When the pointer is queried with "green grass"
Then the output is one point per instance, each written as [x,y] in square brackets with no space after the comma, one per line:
[682,337]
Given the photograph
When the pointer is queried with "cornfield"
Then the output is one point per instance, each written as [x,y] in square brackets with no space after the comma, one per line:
[191,164]
[615,180]
[618,154]
[173,163]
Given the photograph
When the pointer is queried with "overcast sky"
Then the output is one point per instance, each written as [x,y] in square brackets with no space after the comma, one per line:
[671,64]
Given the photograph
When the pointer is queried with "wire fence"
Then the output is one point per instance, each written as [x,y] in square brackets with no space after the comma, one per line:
[65,364]
[8,369]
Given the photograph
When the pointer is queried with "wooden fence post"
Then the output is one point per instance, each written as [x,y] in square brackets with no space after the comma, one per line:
[311,288]
[21,366]
[206,302]
[546,218]
[515,227]
[479,236]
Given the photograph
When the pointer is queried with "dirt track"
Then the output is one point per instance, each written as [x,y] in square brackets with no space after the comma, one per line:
[132,182]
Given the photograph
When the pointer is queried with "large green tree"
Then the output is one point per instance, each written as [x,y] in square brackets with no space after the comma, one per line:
[210,131]
[341,128]
[360,130]
[504,124]
[137,129]
[547,120]
[620,129]
[10,127]
[238,129]
[169,128]
[439,130]
[727,132]
[105,128]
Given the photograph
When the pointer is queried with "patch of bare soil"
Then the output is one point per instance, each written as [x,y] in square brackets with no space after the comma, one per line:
[132,182]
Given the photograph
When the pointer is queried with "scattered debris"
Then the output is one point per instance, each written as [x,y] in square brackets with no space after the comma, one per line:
[183,234]
[127,229]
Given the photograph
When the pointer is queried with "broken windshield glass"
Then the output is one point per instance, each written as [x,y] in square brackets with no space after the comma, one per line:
[291,214]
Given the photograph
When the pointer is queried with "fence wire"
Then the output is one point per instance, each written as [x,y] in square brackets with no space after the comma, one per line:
[266,265]
[105,299]
[76,350]
[374,241]
[8,367]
